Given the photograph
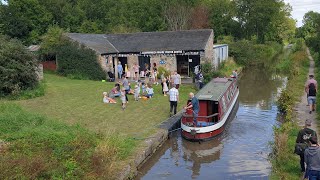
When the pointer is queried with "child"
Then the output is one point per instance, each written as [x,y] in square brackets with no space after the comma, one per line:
[136,92]
[149,91]
[143,86]
[106,99]
[123,98]
[165,86]
[152,77]
[139,88]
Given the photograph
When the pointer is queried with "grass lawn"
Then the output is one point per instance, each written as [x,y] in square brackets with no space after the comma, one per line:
[70,134]
[80,102]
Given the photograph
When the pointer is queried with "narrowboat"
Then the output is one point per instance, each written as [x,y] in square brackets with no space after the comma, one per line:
[216,101]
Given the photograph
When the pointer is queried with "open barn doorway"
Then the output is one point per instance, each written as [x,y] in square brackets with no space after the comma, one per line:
[186,64]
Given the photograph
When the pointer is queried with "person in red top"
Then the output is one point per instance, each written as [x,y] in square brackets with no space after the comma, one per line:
[311,88]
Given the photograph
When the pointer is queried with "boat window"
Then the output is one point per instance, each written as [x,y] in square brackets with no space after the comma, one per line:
[228,96]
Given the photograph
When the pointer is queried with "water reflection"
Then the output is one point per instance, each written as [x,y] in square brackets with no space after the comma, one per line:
[240,152]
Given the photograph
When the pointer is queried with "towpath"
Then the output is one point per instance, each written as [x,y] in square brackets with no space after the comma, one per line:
[301,108]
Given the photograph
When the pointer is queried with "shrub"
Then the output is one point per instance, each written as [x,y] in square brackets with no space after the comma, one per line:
[78,62]
[208,72]
[17,67]
[298,45]
[162,70]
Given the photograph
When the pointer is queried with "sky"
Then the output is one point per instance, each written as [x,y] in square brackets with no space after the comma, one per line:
[300,7]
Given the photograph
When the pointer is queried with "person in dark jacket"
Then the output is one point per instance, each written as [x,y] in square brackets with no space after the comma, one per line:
[303,137]
[312,159]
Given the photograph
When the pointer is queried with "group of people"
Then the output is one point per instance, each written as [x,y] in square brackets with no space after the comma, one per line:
[307,146]
[147,73]
[144,89]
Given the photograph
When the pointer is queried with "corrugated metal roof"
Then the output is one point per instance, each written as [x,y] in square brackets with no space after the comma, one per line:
[192,40]
[219,45]
[214,89]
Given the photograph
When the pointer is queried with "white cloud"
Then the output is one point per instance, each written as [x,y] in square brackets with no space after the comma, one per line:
[299,8]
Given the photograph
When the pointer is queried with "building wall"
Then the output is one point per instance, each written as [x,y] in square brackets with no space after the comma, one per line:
[221,54]
[170,61]
[209,53]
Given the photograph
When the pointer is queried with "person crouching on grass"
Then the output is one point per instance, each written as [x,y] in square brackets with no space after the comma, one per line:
[149,91]
[107,99]
[123,98]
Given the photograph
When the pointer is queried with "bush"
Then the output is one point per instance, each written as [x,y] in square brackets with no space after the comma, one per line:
[78,62]
[17,67]
[162,70]
[208,72]
[298,45]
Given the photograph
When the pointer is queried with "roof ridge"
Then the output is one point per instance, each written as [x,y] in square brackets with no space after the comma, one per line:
[190,30]
[104,36]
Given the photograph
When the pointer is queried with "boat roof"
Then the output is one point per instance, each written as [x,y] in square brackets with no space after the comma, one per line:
[214,89]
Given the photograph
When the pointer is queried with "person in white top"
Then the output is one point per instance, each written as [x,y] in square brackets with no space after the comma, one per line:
[174,99]
[176,79]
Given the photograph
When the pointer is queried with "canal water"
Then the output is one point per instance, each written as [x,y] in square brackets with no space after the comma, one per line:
[241,152]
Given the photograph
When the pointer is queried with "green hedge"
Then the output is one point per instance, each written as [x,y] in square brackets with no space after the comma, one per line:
[17,67]
[78,62]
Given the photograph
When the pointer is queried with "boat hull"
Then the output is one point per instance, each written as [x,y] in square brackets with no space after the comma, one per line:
[208,133]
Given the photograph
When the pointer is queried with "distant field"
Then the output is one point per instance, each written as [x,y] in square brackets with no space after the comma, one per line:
[80,102]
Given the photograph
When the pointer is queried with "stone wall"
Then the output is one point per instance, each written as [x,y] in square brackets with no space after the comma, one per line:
[209,53]
[170,62]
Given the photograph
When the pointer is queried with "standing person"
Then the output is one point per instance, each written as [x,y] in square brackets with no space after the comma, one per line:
[200,80]
[311,88]
[303,138]
[174,99]
[120,70]
[195,107]
[155,71]
[123,98]
[165,88]
[125,85]
[136,71]
[176,79]
[312,159]
[136,92]
[146,73]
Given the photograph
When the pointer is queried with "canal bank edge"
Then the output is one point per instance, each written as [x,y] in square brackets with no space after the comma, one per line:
[285,164]
[151,146]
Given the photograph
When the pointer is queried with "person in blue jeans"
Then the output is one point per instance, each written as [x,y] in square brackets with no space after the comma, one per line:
[120,70]
[312,159]
[195,107]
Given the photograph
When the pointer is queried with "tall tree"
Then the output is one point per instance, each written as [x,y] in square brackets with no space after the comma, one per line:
[199,17]
[24,19]
[256,16]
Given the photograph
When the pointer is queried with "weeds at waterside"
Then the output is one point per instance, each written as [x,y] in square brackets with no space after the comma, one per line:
[285,164]
[35,147]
